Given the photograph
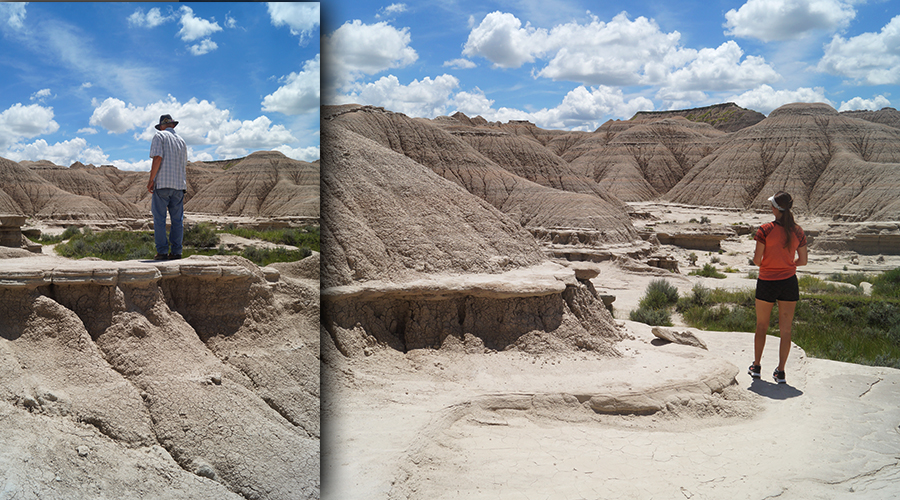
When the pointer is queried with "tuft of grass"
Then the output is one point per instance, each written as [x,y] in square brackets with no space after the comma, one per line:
[109,245]
[708,271]
[306,237]
[653,317]
[200,235]
[887,284]
[131,245]
[653,309]
[812,284]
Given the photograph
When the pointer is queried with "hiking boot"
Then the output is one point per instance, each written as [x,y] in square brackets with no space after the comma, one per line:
[754,371]
[174,256]
[779,376]
[161,256]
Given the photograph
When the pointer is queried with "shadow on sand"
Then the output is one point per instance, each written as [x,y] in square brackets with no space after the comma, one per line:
[772,390]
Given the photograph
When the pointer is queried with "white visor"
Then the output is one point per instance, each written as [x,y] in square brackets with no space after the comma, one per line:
[772,201]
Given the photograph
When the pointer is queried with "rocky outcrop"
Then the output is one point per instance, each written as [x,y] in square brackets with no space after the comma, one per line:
[831,164]
[727,117]
[867,239]
[11,235]
[183,379]
[884,116]
[705,237]
[412,260]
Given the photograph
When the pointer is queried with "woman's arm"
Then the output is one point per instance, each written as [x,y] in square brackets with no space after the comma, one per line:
[758,255]
[802,256]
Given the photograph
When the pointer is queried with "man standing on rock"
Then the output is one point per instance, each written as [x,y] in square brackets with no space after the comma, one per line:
[168,184]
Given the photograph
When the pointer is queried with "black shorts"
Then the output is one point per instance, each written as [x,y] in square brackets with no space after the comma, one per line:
[770,291]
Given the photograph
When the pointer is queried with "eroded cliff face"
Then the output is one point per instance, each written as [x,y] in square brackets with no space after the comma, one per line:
[539,309]
[187,379]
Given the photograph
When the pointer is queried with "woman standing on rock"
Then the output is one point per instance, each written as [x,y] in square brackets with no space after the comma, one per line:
[780,248]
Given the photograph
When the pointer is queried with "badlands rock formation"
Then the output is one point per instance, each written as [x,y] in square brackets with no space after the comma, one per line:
[728,117]
[831,164]
[413,260]
[265,184]
[188,379]
[534,206]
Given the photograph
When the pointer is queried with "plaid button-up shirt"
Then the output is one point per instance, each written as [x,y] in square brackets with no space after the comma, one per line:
[173,150]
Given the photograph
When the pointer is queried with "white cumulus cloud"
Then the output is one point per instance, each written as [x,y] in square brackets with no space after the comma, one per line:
[872,58]
[619,52]
[501,39]
[357,49]
[426,98]
[201,123]
[765,99]
[582,108]
[309,154]
[771,20]
[722,69]
[203,47]
[62,153]
[299,94]
[301,17]
[193,28]
[24,122]
[40,95]
[873,104]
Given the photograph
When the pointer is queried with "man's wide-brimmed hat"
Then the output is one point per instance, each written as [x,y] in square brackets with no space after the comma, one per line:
[165,119]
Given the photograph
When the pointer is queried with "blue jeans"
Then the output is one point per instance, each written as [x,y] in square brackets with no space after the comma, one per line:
[171,200]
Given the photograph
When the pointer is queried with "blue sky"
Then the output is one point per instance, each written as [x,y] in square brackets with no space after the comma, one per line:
[571,64]
[88,81]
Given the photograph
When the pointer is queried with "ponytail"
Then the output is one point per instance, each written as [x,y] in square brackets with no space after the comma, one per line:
[784,204]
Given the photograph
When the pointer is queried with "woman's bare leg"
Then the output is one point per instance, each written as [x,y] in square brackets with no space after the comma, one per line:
[763,313]
[785,320]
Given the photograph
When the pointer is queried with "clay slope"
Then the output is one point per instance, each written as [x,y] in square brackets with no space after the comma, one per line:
[640,160]
[830,163]
[37,197]
[195,379]
[884,116]
[523,154]
[386,217]
[266,183]
[532,205]
[84,182]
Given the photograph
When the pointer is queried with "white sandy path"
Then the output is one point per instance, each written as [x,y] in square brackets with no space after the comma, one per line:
[420,426]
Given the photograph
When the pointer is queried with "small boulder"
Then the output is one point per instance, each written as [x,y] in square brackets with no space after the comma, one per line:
[685,337]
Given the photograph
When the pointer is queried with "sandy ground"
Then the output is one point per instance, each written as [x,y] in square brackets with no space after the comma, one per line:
[505,425]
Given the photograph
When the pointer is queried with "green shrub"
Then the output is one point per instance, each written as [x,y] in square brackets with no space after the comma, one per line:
[265,256]
[887,284]
[653,317]
[108,245]
[659,294]
[708,271]
[700,297]
[692,258]
[200,235]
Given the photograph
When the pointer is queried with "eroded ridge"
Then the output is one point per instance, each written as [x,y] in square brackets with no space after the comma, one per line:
[203,363]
